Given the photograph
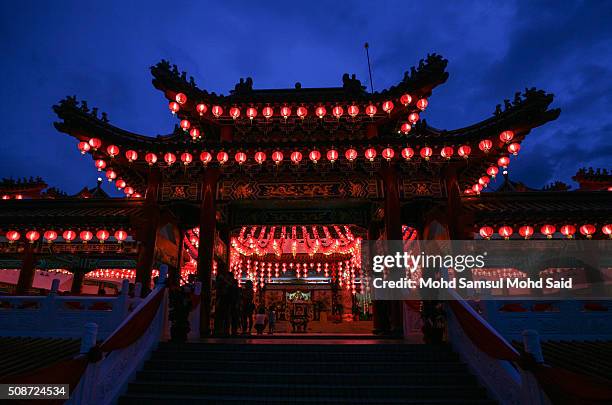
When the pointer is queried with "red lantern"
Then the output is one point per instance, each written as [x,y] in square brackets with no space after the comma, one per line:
[83,147]
[486,232]
[371,110]
[503,161]
[251,113]
[332,155]
[170,158]
[186,158]
[387,106]
[370,154]
[131,155]
[353,110]
[120,183]
[50,236]
[234,112]
[296,157]
[95,143]
[464,151]
[506,136]
[302,112]
[514,148]
[260,157]
[407,153]
[195,133]
[406,99]
[405,128]
[267,112]
[201,109]
[337,111]
[277,157]
[205,157]
[484,181]
[112,150]
[6,197]
[181,98]
[129,191]
[174,107]
[240,157]
[468,191]
[587,230]
[447,152]
[222,157]
[388,154]
[86,236]
[111,175]
[506,231]
[548,230]
[422,104]
[320,111]
[350,154]
[413,118]
[151,158]
[18,197]
[285,112]
[121,235]
[477,188]
[69,236]
[526,231]
[314,156]
[13,236]
[32,236]
[185,124]
[485,145]
[102,235]
[217,111]
[100,164]
[568,231]
[607,230]
[426,152]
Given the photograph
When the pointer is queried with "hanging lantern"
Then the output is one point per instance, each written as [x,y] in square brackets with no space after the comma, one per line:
[112,150]
[186,158]
[406,99]
[234,112]
[587,230]
[514,148]
[170,158]
[285,112]
[174,107]
[195,133]
[129,191]
[422,104]
[426,152]
[100,164]
[388,154]
[302,112]
[485,145]
[102,235]
[332,155]
[486,232]
[181,98]
[83,147]
[201,108]
[121,235]
[32,236]
[506,136]
[222,157]
[131,155]
[405,128]
[151,158]
[217,111]
[413,118]
[251,113]
[506,231]
[321,111]
[111,175]
[240,157]
[548,230]
[185,124]
[86,236]
[350,154]
[468,191]
[314,156]
[387,106]
[447,152]
[371,110]
[568,231]
[69,236]
[337,111]
[353,110]
[267,112]
[484,181]
[50,236]
[13,236]
[277,157]
[464,151]
[260,157]
[296,157]
[370,154]
[503,161]
[6,197]
[205,157]
[477,188]
[95,143]
[120,183]
[492,171]
[607,230]
[407,153]
[526,231]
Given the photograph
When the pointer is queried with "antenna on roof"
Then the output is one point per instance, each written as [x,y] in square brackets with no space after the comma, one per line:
[367,46]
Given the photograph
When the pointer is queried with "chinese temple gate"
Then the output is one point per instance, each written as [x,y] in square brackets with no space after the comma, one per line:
[279,186]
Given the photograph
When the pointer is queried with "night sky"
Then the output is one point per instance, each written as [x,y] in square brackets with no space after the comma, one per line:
[102,53]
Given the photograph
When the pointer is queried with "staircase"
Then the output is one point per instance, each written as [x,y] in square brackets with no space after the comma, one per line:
[310,373]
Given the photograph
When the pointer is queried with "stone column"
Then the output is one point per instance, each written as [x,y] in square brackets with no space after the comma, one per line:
[78,275]
[28,270]
[147,233]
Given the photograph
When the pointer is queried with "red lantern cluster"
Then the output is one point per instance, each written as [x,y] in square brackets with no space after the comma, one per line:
[547,230]
[68,235]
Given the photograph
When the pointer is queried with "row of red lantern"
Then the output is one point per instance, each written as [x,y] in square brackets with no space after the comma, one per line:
[548,230]
[492,171]
[68,236]
[15,196]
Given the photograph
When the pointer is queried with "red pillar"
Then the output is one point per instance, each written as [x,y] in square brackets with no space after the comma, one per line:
[206,247]
[77,281]
[28,270]
[147,233]
[456,228]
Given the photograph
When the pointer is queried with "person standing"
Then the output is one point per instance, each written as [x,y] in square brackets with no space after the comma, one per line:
[271,319]
[248,307]
[260,320]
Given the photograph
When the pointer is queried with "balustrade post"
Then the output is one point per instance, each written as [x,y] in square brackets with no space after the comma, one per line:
[89,337]
[122,307]
[532,345]
[49,310]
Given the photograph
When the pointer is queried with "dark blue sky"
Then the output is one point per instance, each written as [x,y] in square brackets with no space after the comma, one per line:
[101,52]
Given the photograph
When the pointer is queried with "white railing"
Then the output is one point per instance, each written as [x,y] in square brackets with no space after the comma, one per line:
[62,316]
